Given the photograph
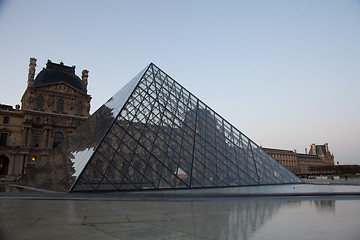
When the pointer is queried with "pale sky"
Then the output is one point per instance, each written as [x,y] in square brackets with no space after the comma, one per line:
[285,73]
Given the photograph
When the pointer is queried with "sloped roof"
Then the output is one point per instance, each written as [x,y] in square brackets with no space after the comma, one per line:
[308,156]
[279,151]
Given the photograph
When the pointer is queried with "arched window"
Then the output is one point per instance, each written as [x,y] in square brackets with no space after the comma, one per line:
[60,105]
[39,102]
[79,108]
[58,138]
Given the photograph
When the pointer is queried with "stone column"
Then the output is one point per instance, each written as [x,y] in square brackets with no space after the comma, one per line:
[12,162]
[313,149]
[23,164]
[29,136]
[326,148]
[46,137]
[50,138]
[25,136]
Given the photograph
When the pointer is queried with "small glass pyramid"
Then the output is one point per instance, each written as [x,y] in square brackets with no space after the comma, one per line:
[155,134]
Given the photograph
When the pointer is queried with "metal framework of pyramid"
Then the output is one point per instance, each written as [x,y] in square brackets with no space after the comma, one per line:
[155,134]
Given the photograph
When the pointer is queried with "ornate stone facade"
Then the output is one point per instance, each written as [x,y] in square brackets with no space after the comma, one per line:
[301,164]
[53,105]
[285,157]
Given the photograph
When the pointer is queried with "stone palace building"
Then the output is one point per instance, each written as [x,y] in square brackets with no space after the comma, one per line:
[54,103]
[304,164]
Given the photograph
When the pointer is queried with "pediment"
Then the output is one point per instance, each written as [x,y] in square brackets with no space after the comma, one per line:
[60,87]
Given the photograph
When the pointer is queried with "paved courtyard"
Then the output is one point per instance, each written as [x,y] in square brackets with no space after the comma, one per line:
[41,216]
[69,219]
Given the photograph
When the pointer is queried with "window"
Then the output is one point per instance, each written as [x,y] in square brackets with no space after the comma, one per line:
[60,106]
[37,120]
[36,139]
[4,165]
[3,139]
[6,120]
[79,108]
[40,102]
[58,138]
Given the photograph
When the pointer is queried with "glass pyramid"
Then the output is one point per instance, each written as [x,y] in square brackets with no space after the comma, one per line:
[155,134]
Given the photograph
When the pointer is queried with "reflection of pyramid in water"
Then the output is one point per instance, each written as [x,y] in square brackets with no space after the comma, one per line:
[162,136]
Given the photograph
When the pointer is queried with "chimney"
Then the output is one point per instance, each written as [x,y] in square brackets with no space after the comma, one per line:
[326,147]
[84,77]
[31,75]
[294,150]
[312,149]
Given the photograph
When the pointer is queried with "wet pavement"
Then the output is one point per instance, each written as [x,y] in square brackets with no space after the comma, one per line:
[111,216]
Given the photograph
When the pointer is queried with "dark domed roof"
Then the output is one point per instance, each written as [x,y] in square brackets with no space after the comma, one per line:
[54,73]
